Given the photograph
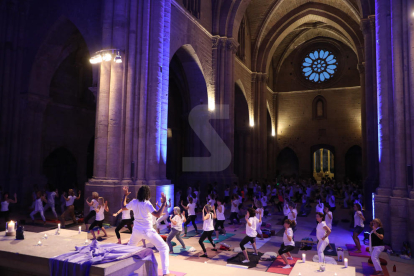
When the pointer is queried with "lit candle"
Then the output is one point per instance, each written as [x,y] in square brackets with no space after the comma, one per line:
[39,242]
[86,241]
[58,226]
[10,226]
[45,236]
[346,262]
[80,227]
[303,257]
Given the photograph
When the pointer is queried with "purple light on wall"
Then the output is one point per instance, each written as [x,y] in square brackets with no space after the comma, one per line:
[379,91]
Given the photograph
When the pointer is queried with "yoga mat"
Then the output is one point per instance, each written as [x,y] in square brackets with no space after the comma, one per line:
[282,231]
[278,264]
[172,272]
[191,234]
[221,238]
[352,248]
[259,243]
[211,254]
[368,269]
[179,250]
[333,253]
[237,260]
[313,233]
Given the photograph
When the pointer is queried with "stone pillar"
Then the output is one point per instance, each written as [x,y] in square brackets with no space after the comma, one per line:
[410,39]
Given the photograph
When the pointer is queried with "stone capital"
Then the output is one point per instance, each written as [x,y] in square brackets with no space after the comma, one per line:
[232,45]
[218,41]
[254,75]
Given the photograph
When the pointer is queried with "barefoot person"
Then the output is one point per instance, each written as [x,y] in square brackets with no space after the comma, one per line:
[220,219]
[322,233]
[376,244]
[70,209]
[126,220]
[164,216]
[358,226]
[176,227]
[51,202]
[143,213]
[93,204]
[39,207]
[100,216]
[328,220]
[288,243]
[251,233]
[191,215]
[209,214]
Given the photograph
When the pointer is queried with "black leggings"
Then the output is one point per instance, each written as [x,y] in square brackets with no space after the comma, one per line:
[279,206]
[192,219]
[245,240]
[234,215]
[204,236]
[96,223]
[89,216]
[219,223]
[285,249]
[127,222]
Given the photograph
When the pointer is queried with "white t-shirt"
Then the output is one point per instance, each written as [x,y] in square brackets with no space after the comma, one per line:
[51,198]
[179,225]
[4,206]
[319,207]
[191,209]
[70,201]
[290,215]
[142,213]
[320,232]
[286,240]
[126,214]
[208,224]
[286,210]
[251,230]
[259,215]
[264,201]
[94,205]
[329,220]
[235,209]
[39,205]
[332,201]
[100,214]
[357,220]
[220,215]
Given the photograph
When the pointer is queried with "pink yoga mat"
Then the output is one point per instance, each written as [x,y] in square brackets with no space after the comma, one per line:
[352,248]
[172,272]
[278,264]
[368,269]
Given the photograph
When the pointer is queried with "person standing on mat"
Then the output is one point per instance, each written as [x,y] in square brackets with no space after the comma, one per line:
[100,216]
[93,204]
[164,217]
[328,220]
[259,215]
[293,214]
[143,212]
[322,233]
[70,209]
[251,233]
[39,207]
[358,226]
[176,227]
[209,214]
[126,220]
[288,243]
[191,215]
[376,244]
[5,201]
[220,219]
[234,212]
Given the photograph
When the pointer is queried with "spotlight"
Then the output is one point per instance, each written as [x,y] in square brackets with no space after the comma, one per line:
[118,58]
[96,59]
[107,56]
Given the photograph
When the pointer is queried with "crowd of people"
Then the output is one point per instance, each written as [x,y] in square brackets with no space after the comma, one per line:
[252,201]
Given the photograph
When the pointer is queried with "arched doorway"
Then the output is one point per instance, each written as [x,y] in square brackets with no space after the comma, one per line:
[353,163]
[287,164]
[241,133]
[60,169]
[323,162]
[187,89]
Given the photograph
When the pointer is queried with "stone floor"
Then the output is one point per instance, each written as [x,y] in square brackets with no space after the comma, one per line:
[341,235]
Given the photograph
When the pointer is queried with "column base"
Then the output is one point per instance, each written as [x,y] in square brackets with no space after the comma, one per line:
[399,193]
[384,191]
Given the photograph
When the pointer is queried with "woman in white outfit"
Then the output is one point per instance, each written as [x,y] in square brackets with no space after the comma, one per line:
[328,220]
[164,217]
[51,202]
[39,207]
[259,216]
[358,226]
[376,244]
[143,213]
[5,201]
[322,233]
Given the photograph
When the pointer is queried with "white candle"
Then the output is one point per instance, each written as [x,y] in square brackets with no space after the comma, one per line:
[346,262]
[39,243]
[58,226]
[80,228]
[10,226]
[303,257]
[45,236]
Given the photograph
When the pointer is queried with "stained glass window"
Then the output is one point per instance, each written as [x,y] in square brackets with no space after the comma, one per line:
[319,66]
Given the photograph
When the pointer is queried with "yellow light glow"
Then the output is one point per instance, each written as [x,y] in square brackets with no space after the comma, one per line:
[251,122]
[211,104]
[273,132]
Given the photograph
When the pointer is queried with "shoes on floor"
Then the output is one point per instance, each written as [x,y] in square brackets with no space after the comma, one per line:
[246,261]
[287,266]
[204,256]
[289,258]
[214,249]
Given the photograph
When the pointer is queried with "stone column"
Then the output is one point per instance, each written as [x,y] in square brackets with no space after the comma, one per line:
[410,38]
